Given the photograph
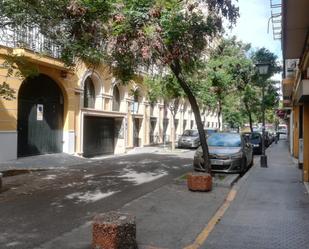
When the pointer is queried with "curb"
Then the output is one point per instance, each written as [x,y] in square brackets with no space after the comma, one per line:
[228,182]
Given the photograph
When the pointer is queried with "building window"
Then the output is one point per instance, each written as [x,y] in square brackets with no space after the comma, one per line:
[165,109]
[135,106]
[89,93]
[152,106]
[116,99]
[176,122]
[184,125]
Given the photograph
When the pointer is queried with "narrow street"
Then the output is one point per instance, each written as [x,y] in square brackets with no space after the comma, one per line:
[271,209]
[42,205]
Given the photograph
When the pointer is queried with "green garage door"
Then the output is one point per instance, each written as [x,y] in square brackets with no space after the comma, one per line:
[98,136]
[40,117]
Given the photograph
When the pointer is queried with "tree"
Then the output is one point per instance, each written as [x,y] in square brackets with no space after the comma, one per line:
[131,35]
[233,111]
[220,79]
[251,102]
[271,98]
[228,70]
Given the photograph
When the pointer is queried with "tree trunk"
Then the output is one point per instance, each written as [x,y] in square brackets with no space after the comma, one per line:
[219,115]
[174,109]
[249,116]
[176,69]
[173,132]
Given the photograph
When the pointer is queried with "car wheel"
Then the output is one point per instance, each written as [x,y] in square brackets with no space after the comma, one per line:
[243,166]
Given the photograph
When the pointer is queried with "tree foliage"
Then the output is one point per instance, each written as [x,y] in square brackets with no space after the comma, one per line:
[6,92]
[234,80]
[228,71]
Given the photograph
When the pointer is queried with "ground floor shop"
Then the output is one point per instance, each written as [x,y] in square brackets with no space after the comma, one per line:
[299,136]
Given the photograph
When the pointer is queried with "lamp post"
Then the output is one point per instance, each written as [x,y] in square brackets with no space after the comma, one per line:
[263,70]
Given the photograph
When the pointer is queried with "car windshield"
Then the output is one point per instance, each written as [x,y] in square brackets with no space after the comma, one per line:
[224,140]
[254,136]
[190,133]
[210,131]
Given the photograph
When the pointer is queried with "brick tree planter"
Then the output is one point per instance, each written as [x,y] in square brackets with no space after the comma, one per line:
[114,230]
[198,181]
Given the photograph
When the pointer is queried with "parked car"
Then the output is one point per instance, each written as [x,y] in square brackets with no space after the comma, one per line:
[210,131]
[283,131]
[189,139]
[268,138]
[255,138]
[228,152]
[272,134]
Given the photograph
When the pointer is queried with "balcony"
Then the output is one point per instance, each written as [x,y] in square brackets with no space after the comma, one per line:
[29,39]
[287,88]
[302,91]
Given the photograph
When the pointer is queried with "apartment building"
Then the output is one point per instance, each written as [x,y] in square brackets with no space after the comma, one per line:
[295,84]
[81,110]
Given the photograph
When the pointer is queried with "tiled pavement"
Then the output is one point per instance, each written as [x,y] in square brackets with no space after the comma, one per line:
[271,210]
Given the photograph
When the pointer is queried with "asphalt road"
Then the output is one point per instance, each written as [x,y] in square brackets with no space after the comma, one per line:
[42,205]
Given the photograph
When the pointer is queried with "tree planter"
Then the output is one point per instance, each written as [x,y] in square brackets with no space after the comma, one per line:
[114,230]
[199,181]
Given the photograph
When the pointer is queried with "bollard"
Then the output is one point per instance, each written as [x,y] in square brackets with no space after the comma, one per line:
[114,230]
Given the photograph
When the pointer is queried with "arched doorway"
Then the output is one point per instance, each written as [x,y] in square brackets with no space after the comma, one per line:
[40,117]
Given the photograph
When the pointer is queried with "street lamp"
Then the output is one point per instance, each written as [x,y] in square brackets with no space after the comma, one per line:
[263,70]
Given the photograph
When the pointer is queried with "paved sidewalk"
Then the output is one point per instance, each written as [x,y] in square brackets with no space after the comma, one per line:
[271,209]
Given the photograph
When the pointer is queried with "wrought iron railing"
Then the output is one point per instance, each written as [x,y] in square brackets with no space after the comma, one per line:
[28,38]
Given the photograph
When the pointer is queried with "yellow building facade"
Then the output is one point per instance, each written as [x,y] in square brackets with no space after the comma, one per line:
[83,111]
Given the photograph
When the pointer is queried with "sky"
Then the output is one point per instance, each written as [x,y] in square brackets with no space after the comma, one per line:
[252,25]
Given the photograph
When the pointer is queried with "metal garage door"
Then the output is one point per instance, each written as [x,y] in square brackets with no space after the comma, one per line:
[40,112]
[98,136]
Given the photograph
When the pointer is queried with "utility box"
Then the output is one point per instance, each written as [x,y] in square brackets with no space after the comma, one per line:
[301,153]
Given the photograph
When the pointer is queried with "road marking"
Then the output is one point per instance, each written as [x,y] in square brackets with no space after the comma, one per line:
[150,247]
[201,238]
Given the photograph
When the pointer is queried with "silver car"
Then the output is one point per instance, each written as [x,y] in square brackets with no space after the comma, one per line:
[228,152]
[189,139]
